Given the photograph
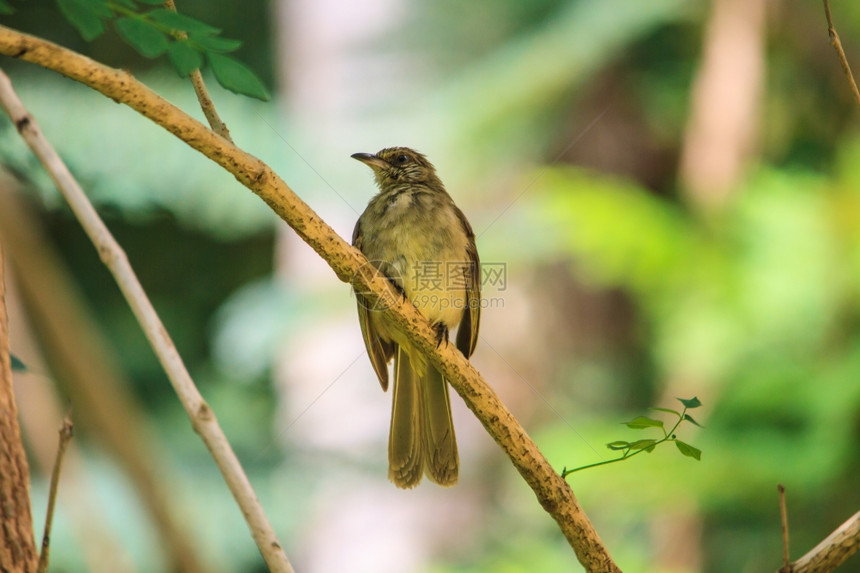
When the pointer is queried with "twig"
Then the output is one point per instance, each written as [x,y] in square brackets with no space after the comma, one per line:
[552,492]
[202,417]
[783,515]
[837,45]
[208,106]
[66,431]
[206,103]
[833,549]
[667,437]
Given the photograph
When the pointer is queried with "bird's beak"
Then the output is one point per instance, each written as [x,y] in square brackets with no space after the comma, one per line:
[370,160]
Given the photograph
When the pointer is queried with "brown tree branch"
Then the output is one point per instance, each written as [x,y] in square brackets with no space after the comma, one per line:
[82,364]
[208,106]
[553,493]
[206,103]
[17,544]
[783,517]
[66,432]
[202,418]
[837,45]
[832,551]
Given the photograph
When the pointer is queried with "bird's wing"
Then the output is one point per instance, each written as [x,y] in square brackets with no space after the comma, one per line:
[467,334]
[380,351]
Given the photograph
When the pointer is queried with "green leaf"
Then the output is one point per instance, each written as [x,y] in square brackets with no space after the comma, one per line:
[237,78]
[17,364]
[214,43]
[618,445]
[667,410]
[98,7]
[6,8]
[127,3]
[643,445]
[690,403]
[184,58]
[85,16]
[688,450]
[182,22]
[690,419]
[642,422]
[143,36]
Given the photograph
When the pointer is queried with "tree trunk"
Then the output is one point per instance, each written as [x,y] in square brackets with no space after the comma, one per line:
[17,544]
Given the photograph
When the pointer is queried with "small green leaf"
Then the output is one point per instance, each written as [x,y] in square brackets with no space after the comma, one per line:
[642,422]
[98,7]
[690,419]
[667,410]
[643,445]
[182,22]
[214,43]
[690,403]
[6,8]
[688,450]
[85,16]
[17,364]
[184,58]
[237,78]
[143,36]
[618,445]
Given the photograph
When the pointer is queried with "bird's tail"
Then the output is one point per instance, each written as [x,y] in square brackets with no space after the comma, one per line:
[422,431]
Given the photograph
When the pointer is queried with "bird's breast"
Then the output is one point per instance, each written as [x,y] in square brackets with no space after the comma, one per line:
[416,239]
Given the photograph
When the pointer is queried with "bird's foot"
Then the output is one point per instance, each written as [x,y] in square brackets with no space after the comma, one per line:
[441,333]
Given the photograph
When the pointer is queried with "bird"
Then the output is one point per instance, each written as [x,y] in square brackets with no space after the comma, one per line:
[414,234]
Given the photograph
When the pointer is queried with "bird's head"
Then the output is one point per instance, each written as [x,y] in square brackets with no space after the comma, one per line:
[397,165]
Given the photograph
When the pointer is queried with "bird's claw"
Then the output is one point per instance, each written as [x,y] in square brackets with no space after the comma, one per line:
[441,334]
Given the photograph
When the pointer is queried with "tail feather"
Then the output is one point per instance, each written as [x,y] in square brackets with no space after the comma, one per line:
[405,457]
[441,458]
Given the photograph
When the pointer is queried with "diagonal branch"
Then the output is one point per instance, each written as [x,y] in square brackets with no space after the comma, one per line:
[837,45]
[832,551]
[553,493]
[202,418]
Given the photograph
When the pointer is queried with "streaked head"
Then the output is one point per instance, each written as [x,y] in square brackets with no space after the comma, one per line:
[398,165]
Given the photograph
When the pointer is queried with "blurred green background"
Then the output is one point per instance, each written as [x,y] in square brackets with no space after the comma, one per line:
[671,187]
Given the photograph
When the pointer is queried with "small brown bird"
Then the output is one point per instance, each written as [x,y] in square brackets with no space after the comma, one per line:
[412,232]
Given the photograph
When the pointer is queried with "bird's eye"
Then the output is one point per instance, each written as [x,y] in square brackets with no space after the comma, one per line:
[402,159]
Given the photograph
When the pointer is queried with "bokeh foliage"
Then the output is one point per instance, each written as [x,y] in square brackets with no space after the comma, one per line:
[754,309]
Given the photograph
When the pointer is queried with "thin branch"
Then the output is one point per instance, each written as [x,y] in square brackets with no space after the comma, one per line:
[667,437]
[202,418]
[206,103]
[833,550]
[208,106]
[66,432]
[552,492]
[783,515]
[837,45]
